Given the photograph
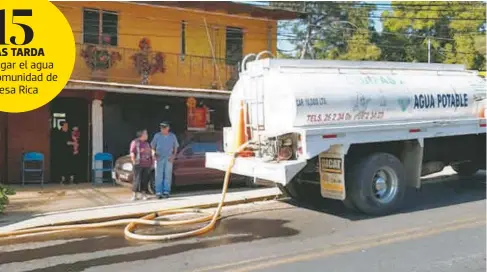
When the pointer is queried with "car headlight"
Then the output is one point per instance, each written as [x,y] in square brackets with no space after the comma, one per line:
[127,167]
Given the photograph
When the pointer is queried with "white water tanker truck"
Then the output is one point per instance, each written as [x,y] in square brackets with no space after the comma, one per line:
[362,131]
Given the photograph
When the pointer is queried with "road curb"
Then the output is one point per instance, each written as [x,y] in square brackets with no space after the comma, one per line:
[105,213]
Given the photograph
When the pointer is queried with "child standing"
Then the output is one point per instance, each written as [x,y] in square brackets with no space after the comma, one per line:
[75,138]
[75,134]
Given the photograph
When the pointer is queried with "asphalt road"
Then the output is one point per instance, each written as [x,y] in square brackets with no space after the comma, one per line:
[442,228]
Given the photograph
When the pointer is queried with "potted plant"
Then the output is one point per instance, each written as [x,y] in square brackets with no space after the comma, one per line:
[99,59]
[4,193]
[146,62]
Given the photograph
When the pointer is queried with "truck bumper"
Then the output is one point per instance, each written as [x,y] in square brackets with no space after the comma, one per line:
[278,172]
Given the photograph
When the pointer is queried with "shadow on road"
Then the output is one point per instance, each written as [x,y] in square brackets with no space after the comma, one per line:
[229,231]
[435,193]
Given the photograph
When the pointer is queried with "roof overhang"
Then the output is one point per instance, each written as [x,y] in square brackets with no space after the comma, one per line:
[146,89]
[230,8]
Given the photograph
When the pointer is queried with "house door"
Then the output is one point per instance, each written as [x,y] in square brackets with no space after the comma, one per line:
[75,112]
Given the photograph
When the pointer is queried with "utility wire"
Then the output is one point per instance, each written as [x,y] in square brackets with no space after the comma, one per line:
[95,23]
[280,37]
[379,45]
[411,46]
[393,4]
[408,35]
[412,18]
[396,4]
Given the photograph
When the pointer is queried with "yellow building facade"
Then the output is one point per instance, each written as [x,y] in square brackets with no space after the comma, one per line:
[185,45]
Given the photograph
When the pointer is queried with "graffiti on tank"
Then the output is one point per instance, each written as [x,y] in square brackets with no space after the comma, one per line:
[362,103]
[404,103]
[380,80]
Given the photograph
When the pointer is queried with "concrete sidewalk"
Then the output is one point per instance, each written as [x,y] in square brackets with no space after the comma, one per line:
[9,222]
[34,200]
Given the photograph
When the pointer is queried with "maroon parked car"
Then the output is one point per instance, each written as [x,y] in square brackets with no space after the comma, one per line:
[189,164]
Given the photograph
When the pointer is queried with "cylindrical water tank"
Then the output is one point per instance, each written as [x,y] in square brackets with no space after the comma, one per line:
[285,99]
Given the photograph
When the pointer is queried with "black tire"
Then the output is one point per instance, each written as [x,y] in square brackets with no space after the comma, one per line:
[360,183]
[465,169]
[349,204]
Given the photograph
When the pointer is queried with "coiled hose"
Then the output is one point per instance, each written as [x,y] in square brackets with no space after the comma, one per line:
[149,219]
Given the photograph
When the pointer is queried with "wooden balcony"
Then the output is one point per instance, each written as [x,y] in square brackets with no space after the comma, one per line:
[133,66]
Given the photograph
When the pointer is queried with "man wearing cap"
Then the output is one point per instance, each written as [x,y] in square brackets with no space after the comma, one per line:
[164,148]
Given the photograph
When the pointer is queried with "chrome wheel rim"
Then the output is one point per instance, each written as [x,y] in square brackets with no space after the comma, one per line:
[385,185]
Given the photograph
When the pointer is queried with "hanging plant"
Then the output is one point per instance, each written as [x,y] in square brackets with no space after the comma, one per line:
[99,58]
[146,62]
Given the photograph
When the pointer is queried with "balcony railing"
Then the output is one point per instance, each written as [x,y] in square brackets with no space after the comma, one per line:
[114,64]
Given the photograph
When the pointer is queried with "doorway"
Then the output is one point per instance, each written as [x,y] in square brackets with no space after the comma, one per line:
[124,114]
[75,111]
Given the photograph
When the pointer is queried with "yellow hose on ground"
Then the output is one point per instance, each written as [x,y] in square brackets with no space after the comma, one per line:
[149,219]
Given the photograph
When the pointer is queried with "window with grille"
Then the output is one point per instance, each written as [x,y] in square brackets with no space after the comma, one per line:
[234,45]
[100,27]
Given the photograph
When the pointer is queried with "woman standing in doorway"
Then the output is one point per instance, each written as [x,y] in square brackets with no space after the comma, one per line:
[64,153]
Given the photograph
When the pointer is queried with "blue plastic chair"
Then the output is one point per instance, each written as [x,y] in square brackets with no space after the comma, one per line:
[33,166]
[106,160]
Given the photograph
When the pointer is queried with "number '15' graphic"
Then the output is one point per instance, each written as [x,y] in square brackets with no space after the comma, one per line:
[28,32]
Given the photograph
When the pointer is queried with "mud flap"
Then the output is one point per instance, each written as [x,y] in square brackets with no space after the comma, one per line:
[332,173]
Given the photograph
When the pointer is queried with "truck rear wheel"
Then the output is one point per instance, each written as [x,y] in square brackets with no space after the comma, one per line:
[465,169]
[376,185]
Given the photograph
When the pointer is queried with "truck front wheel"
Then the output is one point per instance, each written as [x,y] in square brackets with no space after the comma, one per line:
[376,184]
